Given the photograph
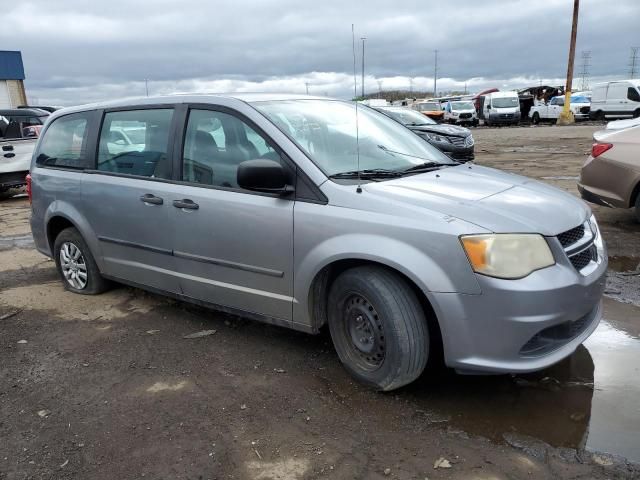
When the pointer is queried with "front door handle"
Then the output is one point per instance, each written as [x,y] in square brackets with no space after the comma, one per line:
[186,203]
[150,198]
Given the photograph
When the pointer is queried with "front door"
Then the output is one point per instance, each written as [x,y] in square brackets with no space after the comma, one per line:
[232,247]
[126,200]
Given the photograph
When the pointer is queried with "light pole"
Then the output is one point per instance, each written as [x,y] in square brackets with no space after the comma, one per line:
[566,116]
[435,74]
[362,91]
[146,86]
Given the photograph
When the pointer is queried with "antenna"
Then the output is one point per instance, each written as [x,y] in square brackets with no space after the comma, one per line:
[355,99]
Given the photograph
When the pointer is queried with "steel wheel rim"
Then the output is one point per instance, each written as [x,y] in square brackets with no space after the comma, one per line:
[73,265]
[364,332]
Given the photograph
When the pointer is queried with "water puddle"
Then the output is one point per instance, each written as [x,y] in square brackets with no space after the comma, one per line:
[588,401]
[19,241]
[624,264]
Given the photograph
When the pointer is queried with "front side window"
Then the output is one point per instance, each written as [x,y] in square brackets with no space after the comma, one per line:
[633,95]
[136,142]
[216,143]
[326,130]
[64,143]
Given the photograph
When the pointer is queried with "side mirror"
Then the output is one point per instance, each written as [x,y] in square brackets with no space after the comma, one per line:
[488,107]
[263,175]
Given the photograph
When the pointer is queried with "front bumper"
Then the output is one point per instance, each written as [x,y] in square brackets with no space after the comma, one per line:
[504,118]
[521,325]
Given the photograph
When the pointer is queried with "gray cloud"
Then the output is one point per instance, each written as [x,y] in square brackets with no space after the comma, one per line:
[77,51]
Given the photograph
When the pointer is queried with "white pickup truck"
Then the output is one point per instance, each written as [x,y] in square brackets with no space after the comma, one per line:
[15,160]
[549,112]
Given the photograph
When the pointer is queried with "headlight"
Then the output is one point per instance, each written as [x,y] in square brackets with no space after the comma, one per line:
[507,255]
[436,138]
[597,238]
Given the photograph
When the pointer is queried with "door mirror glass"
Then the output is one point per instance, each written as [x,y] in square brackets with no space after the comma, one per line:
[263,175]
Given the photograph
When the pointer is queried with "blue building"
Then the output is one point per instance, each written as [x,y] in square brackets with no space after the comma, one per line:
[12,92]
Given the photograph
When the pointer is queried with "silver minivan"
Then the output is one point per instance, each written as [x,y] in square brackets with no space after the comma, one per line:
[304,212]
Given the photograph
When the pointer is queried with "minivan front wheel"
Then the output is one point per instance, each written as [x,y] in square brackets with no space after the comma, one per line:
[378,327]
[76,265]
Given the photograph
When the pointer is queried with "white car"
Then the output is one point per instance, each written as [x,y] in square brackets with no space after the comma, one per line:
[550,112]
[619,99]
[461,112]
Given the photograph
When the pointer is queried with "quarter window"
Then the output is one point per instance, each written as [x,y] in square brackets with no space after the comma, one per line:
[64,143]
[136,142]
[216,143]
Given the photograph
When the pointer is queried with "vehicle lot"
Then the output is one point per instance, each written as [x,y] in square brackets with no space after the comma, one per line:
[107,387]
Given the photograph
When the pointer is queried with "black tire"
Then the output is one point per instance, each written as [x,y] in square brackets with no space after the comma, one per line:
[636,114]
[600,116]
[379,305]
[487,123]
[535,118]
[94,283]
[637,208]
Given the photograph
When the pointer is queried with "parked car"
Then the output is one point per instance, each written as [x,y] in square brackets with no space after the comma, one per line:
[456,142]
[611,174]
[550,112]
[500,108]
[619,99]
[15,160]
[398,249]
[433,110]
[19,119]
[460,113]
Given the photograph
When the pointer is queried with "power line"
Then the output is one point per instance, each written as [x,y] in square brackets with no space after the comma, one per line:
[584,69]
[634,62]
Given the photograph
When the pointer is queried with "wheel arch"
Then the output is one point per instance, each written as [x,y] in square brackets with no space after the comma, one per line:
[321,284]
[61,215]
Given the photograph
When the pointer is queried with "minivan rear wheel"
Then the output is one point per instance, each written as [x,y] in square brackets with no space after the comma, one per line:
[637,208]
[76,265]
[378,327]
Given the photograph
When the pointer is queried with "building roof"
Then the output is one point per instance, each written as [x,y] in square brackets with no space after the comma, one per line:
[11,67]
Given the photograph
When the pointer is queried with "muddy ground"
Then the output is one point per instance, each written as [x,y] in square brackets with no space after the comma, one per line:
[106,387]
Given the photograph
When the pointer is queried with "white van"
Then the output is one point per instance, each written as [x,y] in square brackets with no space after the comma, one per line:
[500,108]
[619,99]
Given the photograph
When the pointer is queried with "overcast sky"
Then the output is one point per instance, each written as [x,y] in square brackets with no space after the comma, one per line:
[80,51]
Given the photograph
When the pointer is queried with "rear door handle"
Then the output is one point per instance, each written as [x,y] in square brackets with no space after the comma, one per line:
[186,203]
[151,199]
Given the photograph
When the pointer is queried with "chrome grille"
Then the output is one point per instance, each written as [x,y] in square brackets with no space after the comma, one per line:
[458,141]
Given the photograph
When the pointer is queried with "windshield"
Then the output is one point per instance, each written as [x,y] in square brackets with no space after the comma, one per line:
[462,106]
[427,107]
[326,131]
[580,99]
[505,102]
[406,116]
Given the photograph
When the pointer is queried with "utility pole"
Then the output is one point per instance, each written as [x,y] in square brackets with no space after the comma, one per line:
[306,84]
[410,84]
[379,82]
[566,116]
[584,71]
[435,74]
[353,46]
[465,88]
[146,86]
[633,62]
[363,39]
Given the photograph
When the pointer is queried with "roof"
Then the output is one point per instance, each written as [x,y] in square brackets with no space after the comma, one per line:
[11,67]
[190,98]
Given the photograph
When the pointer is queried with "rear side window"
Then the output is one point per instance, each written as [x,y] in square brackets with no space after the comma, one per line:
[633,95]
[136,142]
[65,143]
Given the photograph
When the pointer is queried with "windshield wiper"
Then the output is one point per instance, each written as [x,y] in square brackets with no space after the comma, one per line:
[368,173]
[426,167]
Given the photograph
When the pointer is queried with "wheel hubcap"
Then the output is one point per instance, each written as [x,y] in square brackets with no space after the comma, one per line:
[74,267]
[364,328]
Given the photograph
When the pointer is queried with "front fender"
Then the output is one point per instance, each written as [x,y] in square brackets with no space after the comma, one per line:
[427,273]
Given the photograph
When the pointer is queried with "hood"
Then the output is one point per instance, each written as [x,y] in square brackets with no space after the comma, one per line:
[497,201]
[451,130]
